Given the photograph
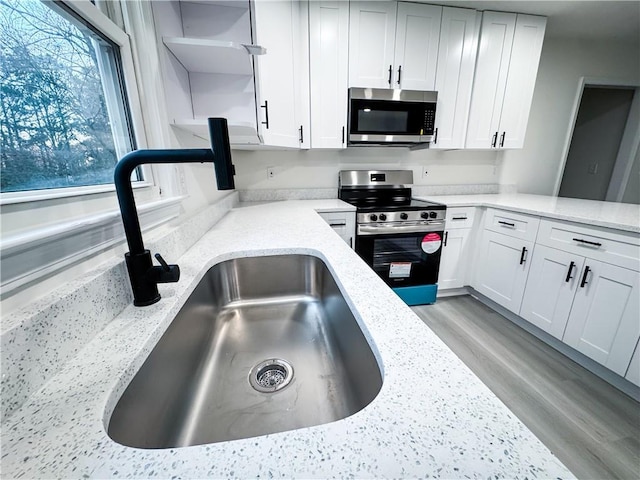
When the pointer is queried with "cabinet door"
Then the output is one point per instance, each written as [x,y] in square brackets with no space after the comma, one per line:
[551,285]
[503,267]
[633,372]
[494,53]
[454,259]
[276,74]
[329,39]
[372,30]
[603,323]
[454,79]
[416,52]
[301,70]
[523,69]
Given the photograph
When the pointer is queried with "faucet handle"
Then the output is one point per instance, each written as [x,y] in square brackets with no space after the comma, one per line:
[164,273]
[165,265]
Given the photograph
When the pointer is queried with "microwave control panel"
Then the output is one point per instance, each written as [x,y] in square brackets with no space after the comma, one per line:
[429,120]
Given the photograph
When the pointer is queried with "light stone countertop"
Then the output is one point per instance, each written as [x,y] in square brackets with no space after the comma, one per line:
[621,216]
[432,417]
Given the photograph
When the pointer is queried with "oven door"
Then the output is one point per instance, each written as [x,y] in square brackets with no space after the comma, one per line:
[403,256]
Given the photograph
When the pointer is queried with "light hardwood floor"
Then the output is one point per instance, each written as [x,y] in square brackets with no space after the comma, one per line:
[593,428]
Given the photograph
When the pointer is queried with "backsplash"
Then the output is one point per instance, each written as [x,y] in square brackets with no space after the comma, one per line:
[37,340]
[261,195]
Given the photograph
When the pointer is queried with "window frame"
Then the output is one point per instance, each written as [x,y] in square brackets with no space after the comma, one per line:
[100,22]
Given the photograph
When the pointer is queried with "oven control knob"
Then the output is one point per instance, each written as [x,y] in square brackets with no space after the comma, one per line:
[383,217]
[404,216]
[373,217]
[424,215]
[433,214]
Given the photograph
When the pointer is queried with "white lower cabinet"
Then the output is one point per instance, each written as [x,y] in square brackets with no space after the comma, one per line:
[454,259]
[343,223]
[633,372]
[552,283]
[502,269]
[456,248]
[604,320]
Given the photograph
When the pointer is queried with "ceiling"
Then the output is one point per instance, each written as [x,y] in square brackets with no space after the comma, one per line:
[581,19]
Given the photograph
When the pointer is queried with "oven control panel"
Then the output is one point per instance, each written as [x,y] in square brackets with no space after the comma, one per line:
[400,216]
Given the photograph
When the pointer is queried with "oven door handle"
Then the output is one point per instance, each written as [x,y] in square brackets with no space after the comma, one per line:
[381,229]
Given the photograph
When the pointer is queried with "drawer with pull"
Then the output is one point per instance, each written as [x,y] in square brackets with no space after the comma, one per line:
[460,217]
[513,224]
[610,246]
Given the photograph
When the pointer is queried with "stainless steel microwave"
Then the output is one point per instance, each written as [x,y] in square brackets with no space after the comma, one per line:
[379,116]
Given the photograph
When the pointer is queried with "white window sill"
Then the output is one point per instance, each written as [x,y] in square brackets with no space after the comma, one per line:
[27,257]
[53,193]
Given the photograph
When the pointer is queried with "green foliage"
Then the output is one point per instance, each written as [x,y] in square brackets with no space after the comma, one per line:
[54,125]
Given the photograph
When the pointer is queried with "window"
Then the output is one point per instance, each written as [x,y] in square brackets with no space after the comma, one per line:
[64,121]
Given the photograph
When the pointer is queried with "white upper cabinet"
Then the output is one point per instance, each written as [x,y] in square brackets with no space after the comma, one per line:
[454,77]
[277,28]
[393,45]
[372,27]
[329,64]
[506,69]
[416,46]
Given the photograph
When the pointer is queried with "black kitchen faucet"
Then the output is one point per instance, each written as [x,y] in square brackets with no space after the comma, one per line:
[144,276]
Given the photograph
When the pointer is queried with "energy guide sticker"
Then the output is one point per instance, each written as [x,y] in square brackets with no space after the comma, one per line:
[431,242]
[400,270]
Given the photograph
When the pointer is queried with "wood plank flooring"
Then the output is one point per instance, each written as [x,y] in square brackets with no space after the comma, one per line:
[593,428]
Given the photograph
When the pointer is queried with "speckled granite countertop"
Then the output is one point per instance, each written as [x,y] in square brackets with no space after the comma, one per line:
[433,416]
[621,216]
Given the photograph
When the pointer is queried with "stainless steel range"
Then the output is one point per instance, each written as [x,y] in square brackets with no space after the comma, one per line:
[400,238]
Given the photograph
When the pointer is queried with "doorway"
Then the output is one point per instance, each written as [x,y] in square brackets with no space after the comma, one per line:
[602,151]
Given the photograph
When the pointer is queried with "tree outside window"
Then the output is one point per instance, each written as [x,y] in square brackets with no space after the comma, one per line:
[63,118]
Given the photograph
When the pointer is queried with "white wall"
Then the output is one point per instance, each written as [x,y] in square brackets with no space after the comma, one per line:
[534,169]
[319,169]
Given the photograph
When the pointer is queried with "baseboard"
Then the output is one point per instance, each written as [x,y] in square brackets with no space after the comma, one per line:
[453,292]
[594,367]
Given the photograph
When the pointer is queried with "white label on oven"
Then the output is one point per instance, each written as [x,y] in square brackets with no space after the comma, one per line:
[431,243]
[400,270]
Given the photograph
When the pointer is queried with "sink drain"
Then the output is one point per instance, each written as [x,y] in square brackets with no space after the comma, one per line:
[271,375]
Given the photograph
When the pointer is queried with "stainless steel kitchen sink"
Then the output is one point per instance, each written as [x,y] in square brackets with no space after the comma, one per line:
[262,345]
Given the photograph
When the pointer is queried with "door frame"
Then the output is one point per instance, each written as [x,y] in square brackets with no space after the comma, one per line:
[630,139]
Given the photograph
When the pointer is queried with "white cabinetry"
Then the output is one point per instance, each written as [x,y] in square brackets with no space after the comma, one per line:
[454,77]
[393,45]
[207,66]
[633,372]
[329,67]
[603,323]
[506,69]
[279,73]
[553,281]
[416,46]
[580,291]
[455,248]
[209,69]
[343,223]
[504,256]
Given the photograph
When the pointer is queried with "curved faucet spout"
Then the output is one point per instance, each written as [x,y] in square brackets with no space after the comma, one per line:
[144,276]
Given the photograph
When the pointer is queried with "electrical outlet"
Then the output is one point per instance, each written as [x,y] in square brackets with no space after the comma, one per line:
[271,172]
